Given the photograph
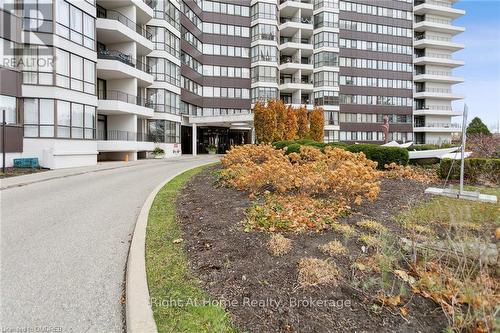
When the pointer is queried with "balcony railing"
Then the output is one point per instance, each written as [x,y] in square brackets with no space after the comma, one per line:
[114,15]
[115,135]
[304,20]
[437,73]
[294,60]
[434,90]
[295,80]
[433,2]
[438,38]
[434,108]
[125,58]
[284,40]
[302,1]
[434,55]
[438,125]
[434,20]
[115,95]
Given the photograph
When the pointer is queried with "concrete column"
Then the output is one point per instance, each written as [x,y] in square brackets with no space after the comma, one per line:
[253,135]
[194,140]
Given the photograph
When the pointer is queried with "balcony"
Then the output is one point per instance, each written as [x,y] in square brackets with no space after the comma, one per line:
[290,64]
[291,44]
[287,6]
[437,76]
[113,102]
[290,85]
[113,28]
[289,26]
[437,59]
[437,25]
[434,7]
[438,42]
[437,93]
[113,65]
[437,127]
[116,140]
[436,110]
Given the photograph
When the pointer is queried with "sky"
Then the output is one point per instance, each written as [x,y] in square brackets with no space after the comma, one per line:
[482,60]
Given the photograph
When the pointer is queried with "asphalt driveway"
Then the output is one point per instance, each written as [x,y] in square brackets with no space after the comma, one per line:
[64,245]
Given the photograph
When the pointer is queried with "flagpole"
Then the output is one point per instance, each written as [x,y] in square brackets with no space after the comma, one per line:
[462,162]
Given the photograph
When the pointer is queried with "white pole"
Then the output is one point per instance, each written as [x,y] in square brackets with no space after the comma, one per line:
[464,124]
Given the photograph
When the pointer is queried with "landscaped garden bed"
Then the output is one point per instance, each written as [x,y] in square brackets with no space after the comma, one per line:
[13,172]
[322,242]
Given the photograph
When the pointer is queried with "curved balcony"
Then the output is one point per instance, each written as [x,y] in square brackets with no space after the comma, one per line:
[437,93]
[113,27]
[437,76]
[436,7]
[437,127]
[112,64]
[113,102]
[437,59]
[437,42]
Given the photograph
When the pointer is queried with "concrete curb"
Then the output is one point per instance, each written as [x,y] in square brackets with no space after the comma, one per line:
[139,315]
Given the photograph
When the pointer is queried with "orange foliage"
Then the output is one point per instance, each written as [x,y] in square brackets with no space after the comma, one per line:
[290,124]
[264,122]
[347,177]
[317,124]
[394,170]
[281,113]
[302,123]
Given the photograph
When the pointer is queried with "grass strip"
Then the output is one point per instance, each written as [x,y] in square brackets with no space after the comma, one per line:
[178,302]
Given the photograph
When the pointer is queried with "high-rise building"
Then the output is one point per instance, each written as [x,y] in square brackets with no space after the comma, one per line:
[91,80]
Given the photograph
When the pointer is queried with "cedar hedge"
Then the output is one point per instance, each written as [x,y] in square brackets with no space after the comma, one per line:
[382,155]
[476,170]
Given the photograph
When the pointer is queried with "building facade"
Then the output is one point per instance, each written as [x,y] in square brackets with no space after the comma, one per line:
[93,80]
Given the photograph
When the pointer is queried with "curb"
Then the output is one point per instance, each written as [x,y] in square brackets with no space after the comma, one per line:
[138,312]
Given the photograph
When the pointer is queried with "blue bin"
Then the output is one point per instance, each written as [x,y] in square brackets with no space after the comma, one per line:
[26,163]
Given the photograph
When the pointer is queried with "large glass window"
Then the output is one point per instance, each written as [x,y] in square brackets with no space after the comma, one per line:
[37,16]
[75,25]
[164,131]
[162,100]
[48,118]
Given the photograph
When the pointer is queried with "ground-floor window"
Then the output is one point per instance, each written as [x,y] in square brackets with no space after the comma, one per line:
[9,104]
[49,118]
[164,131]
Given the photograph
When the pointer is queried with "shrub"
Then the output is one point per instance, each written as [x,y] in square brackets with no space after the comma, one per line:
[304,190]
[476,170]
[264,122]
[302,123]
[317,124]
[381,155]
[278,245]
[290,124]
[420,174]
[280,110]
[350,176]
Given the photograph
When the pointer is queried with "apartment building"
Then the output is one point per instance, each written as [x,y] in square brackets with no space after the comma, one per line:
[93,80]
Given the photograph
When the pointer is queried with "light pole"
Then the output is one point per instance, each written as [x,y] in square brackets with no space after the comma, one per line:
[4,122]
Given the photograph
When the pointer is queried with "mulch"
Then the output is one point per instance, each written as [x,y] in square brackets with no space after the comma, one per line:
[261,291]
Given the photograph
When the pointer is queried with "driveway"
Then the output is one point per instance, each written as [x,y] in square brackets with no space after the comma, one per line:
[64,245]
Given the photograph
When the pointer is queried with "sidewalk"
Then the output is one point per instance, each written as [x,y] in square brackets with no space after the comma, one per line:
[23,180]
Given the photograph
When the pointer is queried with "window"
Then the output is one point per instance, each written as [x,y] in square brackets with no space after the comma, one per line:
[63,119]
[9,104]
[42,115]
[37,16]
[162,100]
[75,25]
[164,130]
